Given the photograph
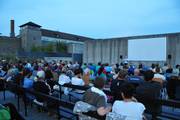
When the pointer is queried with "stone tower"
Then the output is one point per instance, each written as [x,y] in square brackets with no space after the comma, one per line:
[30,34]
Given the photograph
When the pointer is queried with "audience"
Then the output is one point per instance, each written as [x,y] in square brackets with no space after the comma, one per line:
[41,76]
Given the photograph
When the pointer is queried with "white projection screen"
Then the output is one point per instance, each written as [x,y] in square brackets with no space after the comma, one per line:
[151,49]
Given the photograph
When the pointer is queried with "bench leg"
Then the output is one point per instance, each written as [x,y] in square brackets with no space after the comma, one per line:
[4,94]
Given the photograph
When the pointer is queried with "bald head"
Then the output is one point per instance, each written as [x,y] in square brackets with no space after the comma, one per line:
[136,72]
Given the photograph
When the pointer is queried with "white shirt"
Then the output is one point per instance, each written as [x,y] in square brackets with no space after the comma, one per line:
[63,79]
[157,75]
[131,110]
[77,81]
[176,72]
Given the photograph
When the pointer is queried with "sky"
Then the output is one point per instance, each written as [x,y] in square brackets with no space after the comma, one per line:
[94,18]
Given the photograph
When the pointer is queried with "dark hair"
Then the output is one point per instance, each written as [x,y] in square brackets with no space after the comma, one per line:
[99,63]
[48,74]
[27,72]
[5,68]
[122,74]
[117,65]
[128,90]
[99,82]
[153,66]
[148,75]
[177,66]
[165,64]
[140,66]
[101,69]
[158,70]
[77,71]
[36,67]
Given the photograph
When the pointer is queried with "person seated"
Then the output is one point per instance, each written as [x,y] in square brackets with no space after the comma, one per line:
[149,90]
[158,75]
[176,70]
[87,75]
[102,73]
[131,70]
[63,79]
[116,84]
[116,71]
[97,98]
[41,86]
[128,108]
[27,82]
[3,71]
[169,72]
[164,68]
[49,77]
[77,80]
[136,77]
[172,87]
[149,86]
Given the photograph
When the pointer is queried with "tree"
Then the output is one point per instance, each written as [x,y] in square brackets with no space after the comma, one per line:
[61,47]
[45,48]
[36,48]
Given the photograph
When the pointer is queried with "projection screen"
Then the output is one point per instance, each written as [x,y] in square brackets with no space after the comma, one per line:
[151,49]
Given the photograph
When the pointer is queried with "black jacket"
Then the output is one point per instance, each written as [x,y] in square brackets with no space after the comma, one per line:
[41,86]
[116,88]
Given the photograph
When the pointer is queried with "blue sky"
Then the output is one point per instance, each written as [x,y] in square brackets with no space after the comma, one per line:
[94,18]
[98,18]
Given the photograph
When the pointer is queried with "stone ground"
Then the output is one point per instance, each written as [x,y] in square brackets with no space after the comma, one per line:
[34,114]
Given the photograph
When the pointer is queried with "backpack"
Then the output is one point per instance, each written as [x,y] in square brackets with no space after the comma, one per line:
[4,113]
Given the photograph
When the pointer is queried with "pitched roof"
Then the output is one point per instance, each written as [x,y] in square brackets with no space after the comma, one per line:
[62,35]
[30,24]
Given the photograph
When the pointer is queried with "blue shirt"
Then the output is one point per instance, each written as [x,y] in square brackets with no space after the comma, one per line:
[28,83]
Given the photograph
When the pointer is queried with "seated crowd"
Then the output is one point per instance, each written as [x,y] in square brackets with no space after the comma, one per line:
[127,83]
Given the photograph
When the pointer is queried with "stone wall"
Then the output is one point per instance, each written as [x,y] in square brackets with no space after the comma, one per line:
[9,46]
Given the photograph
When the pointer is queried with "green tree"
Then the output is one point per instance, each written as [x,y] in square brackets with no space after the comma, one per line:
[61,47]
[48,48]
[44,48]
[36,48]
